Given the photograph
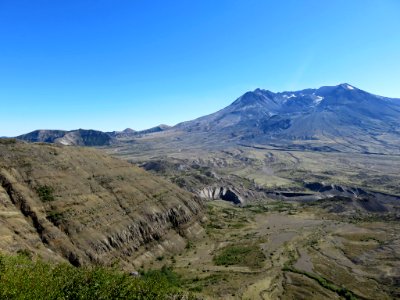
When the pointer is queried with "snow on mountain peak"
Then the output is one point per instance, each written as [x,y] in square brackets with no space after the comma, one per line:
[347,86]
[318,99]
[289,96]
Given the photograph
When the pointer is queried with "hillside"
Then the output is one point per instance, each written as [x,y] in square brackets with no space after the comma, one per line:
[77,204]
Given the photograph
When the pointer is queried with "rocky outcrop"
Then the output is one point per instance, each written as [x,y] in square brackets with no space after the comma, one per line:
[330,190]
[221,193]
[85,207]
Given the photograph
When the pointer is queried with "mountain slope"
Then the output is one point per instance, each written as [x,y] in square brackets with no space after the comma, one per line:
[341,117]
[83,206]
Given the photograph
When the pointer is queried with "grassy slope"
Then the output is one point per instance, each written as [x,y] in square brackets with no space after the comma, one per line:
[21,278]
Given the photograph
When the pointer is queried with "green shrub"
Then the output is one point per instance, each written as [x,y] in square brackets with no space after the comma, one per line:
[45,193]
[341,291]
[55,217]
[21,278]
[244,255]
[164,275]
[7,141]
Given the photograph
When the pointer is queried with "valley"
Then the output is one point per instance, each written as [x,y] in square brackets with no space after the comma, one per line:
[271,168]
[291,195]
[200,150]
[289,215]
[325,222]
[289,251]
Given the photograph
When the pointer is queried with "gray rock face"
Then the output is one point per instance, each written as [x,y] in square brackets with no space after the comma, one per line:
[222,193]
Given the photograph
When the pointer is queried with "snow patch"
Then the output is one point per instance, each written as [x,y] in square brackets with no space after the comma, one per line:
[349,87]
[318,99]
[290,96]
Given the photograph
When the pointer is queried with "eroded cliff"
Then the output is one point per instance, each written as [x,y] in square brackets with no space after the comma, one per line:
[77,204]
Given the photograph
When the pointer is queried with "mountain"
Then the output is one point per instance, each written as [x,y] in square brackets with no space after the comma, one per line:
[80,137]
[331,118]
[339,118]
[80,205]
[128,132]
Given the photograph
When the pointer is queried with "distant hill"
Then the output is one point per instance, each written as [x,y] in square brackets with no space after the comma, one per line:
[83,137]
[80,137]
[158,128]
[46,136]
[128,132]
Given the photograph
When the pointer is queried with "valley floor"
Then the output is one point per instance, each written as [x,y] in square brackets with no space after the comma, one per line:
[274,168]
[284,249]
[276,250]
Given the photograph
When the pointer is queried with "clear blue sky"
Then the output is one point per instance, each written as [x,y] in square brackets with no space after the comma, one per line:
[112,64]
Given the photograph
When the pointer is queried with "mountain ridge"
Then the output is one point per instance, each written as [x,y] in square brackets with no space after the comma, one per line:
[339,117]
[84,137]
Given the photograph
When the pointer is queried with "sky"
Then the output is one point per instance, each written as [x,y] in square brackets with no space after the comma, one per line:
[113,64]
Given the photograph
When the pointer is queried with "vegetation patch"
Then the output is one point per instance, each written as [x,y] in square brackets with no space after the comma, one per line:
[21,278]
[258,209]
[341,291]
[55,217]
[281,206]
[165,274]
[45,193]
[197,284]
[242,255]
[237,225]
[6,141]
